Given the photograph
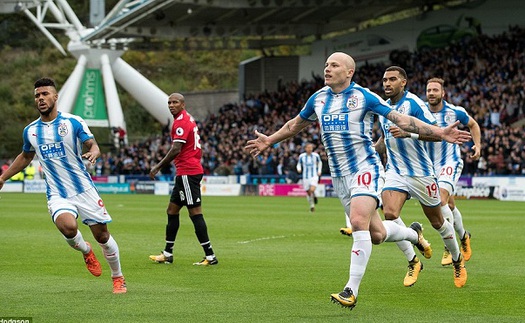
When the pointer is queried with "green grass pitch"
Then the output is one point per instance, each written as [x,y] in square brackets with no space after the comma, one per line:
[277,263]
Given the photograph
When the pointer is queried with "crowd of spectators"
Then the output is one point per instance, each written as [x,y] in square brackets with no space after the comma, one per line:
[486,76]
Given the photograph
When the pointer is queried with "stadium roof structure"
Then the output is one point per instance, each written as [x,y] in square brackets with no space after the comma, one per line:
[227,24]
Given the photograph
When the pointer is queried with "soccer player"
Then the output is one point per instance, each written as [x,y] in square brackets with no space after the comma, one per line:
[448,163]
[57,139]
[186,153]
[310,165]
[409,172]
[345,112]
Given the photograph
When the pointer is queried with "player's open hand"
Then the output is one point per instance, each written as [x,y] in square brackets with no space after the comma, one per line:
[453,135]
[257,145]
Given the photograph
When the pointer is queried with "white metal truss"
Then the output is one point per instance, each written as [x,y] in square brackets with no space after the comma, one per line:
[94,54]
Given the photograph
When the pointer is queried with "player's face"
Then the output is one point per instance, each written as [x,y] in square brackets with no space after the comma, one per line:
[435,93]
[309,148]
[45,99]
[336,71]
[393,83]
[175,104]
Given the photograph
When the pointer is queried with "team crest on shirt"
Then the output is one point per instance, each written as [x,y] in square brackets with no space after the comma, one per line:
[179,131]
[403,109]
[62,129]
[450,117]
[352,102]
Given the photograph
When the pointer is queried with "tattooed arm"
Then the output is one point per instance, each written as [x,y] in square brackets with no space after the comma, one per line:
[429,132]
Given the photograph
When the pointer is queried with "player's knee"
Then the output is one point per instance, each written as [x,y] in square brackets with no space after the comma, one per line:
[100,232]
[436,223]
[102,237]
[66,223]
[68,232]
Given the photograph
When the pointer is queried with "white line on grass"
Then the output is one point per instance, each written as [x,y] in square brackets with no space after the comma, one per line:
[260,239]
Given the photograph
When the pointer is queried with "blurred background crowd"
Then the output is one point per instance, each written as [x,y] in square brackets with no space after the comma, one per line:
[485,76]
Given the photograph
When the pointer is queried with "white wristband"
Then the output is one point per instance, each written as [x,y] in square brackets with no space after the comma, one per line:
[414,136]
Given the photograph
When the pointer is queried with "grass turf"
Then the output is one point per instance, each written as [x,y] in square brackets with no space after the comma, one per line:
[277,263]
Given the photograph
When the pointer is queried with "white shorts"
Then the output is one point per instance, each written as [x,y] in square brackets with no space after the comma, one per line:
[448,176]
[423,188]
[368,182]
[308,182]
[88,205]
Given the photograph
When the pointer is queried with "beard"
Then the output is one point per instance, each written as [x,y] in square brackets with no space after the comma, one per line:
[435,101]
[47,111]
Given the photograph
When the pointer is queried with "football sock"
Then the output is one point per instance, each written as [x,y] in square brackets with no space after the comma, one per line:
[171,232]
[447,214]
[449,238]
[201,230]
[458,222]
[361,250]
[347,221]
[111,253]
[405,246]
[396,232]
[78,243]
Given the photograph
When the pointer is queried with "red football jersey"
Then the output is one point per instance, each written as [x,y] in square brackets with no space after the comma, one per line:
[184,130]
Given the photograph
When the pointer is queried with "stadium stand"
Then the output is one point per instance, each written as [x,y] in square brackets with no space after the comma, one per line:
[486,76]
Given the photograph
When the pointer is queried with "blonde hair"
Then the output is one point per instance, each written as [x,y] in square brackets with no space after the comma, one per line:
[437,80]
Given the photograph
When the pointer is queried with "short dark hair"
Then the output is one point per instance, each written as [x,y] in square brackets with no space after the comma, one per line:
[45,81]
[398,69]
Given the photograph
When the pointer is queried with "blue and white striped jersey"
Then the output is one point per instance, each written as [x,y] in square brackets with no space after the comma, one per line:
[58,145]
[309,164]
[444,153]
[408,156]
[346,120]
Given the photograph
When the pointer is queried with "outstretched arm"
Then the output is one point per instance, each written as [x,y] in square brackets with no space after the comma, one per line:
[289,129]
[400,133]
[429,132]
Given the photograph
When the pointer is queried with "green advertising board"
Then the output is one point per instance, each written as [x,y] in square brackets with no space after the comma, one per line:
[91,103]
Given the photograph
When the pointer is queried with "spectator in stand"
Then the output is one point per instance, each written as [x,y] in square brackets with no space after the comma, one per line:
[487,77]
[5,166]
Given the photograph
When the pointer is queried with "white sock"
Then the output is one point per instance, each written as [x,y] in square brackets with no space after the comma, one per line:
[396,232]
[347,220]
[458,222]
[78,243]
[447,214]
[361,250]
[449,238]
[405,246]
[310,200]
[111,253]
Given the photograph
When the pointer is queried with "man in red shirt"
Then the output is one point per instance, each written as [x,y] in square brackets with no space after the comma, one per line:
[186,153]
